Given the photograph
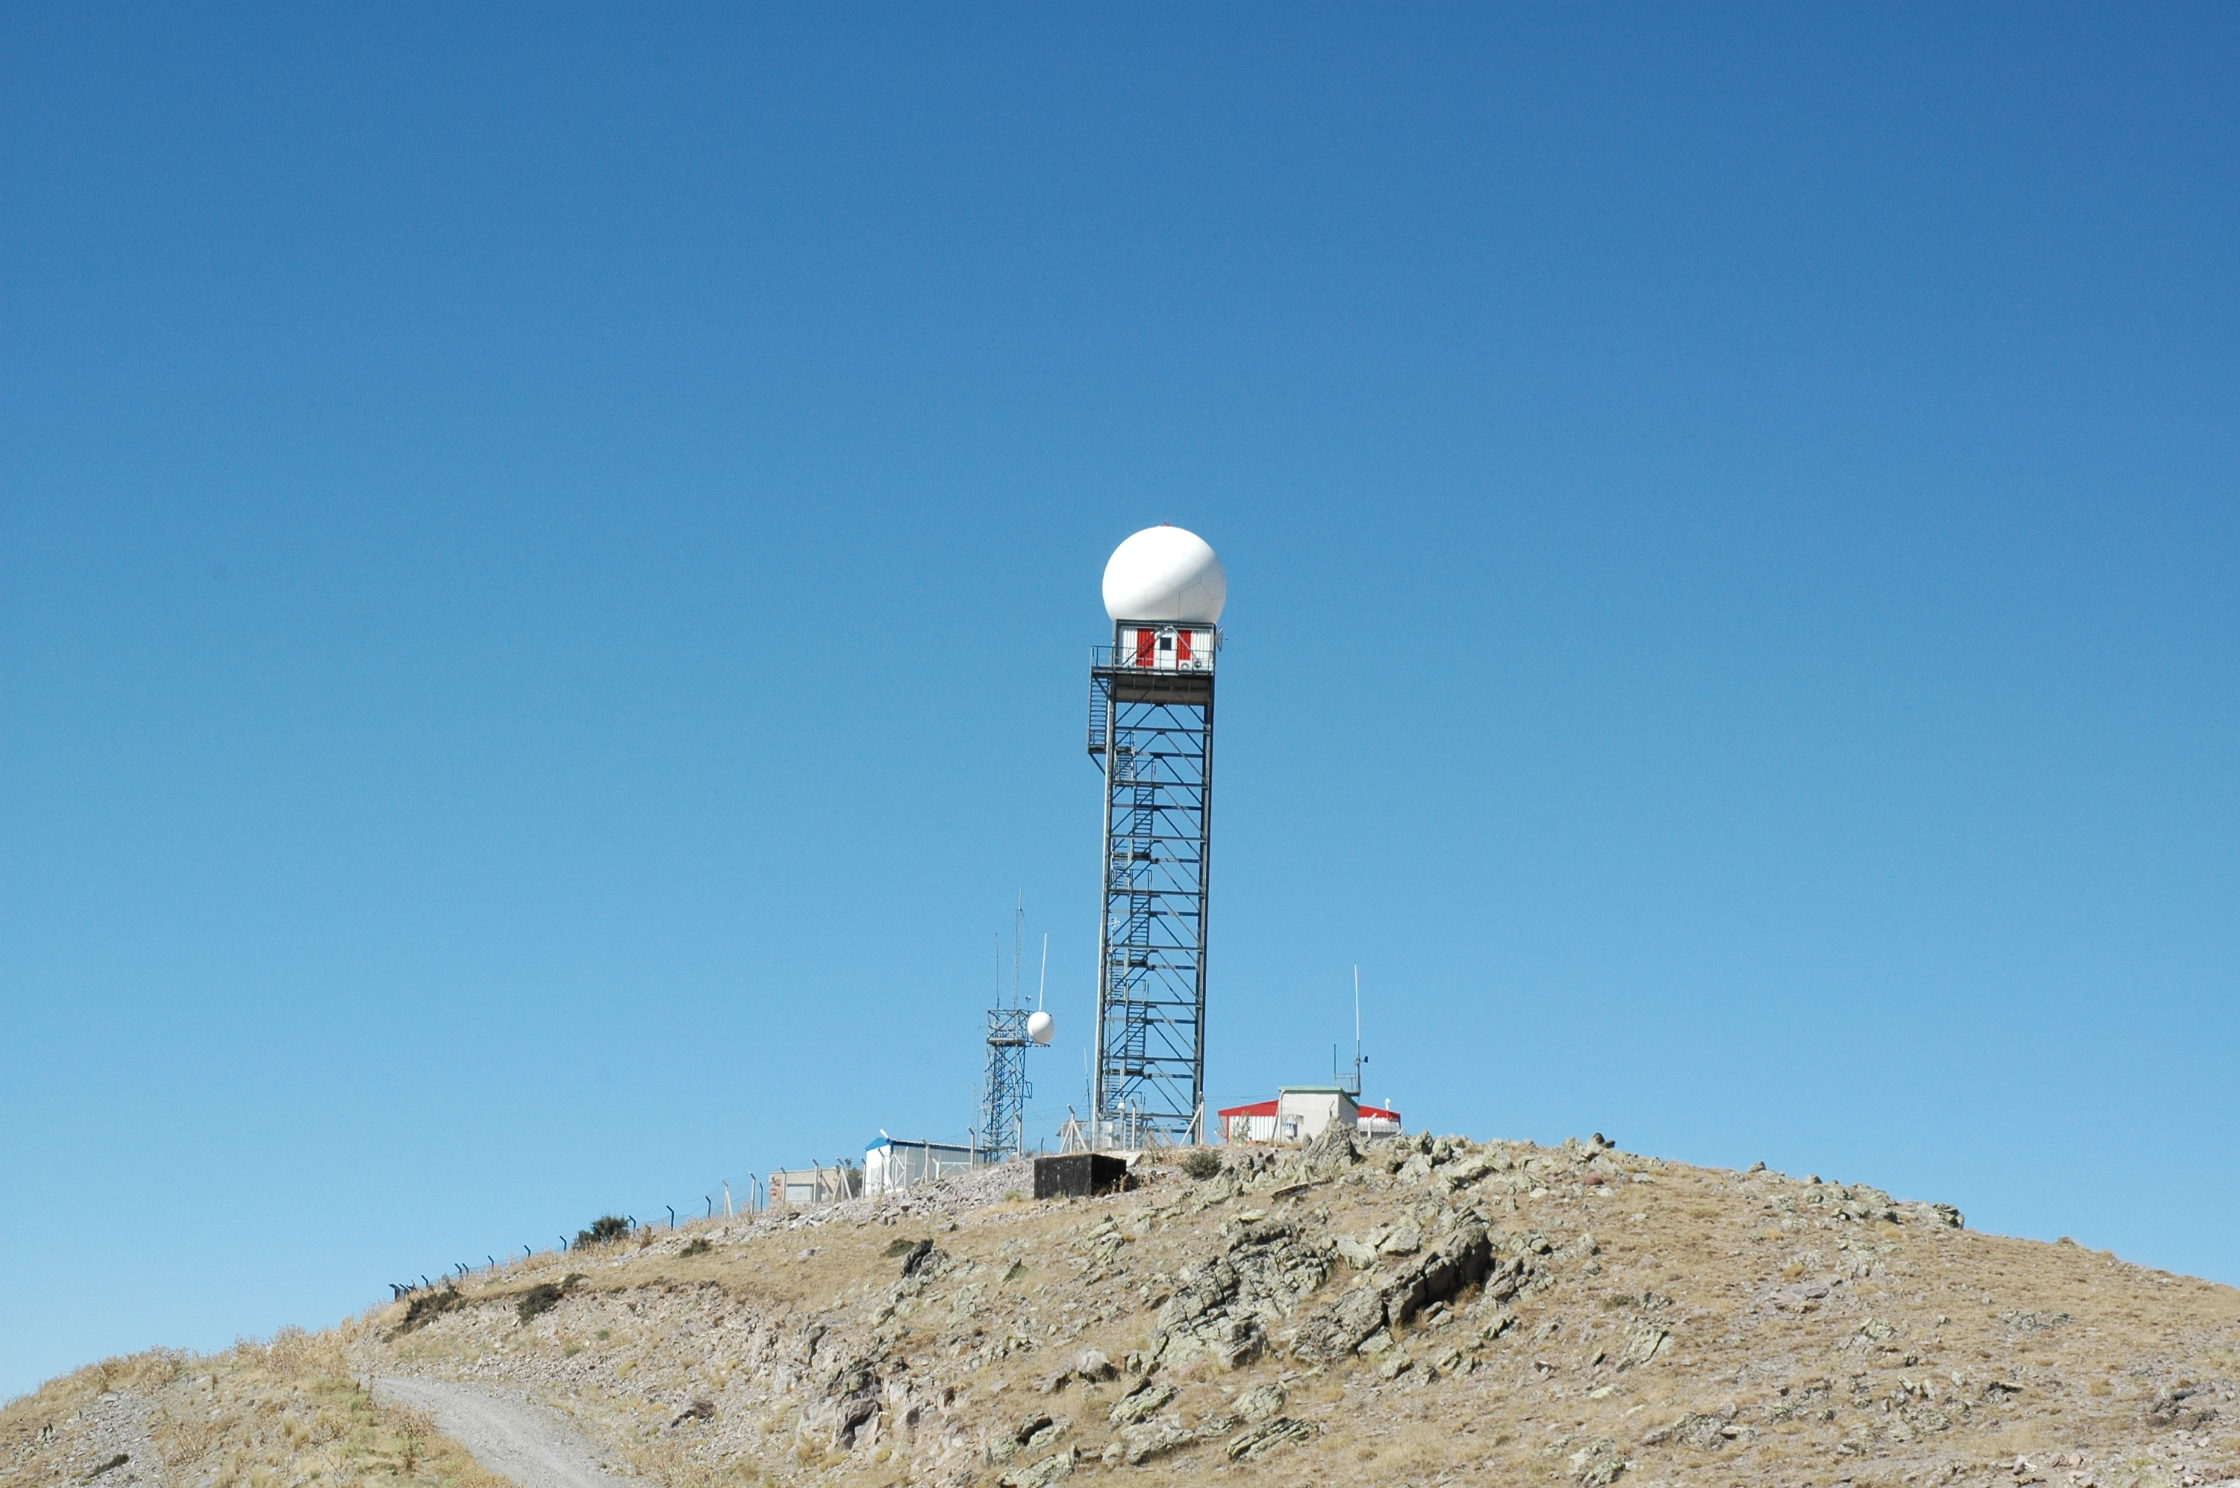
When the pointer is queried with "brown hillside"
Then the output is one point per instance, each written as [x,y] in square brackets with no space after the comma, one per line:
[1407,1312]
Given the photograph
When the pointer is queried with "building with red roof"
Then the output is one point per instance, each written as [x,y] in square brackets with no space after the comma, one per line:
[1300,1113]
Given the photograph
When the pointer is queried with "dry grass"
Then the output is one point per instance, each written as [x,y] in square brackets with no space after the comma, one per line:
[1935,1354]
[58,1398]
[1922,1325]
[256,1416]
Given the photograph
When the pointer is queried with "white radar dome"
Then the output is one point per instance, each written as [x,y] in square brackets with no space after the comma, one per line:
[1041,1027]
[1165,573]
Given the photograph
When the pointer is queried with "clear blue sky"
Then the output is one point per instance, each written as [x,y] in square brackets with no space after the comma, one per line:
[549,553]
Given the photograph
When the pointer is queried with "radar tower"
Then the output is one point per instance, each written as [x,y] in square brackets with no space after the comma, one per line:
[1151,728]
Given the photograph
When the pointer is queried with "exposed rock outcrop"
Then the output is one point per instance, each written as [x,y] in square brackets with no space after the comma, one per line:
[1386,1299]
[1225,1305]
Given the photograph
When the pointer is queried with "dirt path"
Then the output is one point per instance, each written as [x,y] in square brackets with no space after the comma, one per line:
[506,1434]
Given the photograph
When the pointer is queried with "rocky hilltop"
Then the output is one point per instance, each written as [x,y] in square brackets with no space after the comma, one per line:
[1407,1311]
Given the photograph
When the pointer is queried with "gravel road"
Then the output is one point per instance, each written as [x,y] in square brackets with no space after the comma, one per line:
[506,1434]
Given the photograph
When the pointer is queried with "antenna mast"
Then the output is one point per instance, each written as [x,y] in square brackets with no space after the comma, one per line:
[1359,1059]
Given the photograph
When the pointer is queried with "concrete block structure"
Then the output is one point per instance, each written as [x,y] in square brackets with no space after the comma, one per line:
[1079,1175]
[805,1188]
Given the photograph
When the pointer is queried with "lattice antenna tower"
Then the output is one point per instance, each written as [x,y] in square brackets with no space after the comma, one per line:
[1151,728]
[1013,1028]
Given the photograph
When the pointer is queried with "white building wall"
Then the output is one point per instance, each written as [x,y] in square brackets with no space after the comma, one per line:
[893,1166]
[1303,1115]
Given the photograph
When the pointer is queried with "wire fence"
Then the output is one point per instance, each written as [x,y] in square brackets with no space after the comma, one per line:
[743,1196]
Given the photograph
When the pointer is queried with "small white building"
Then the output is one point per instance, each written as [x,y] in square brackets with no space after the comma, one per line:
[805,1188]
[1300,1113]
[891,1165]
[1165,648]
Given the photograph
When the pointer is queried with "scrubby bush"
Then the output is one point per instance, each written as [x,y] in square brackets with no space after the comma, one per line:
[699,1246]
[545,1296]
[603,1229]
[542,1297]
[1201,1162]
[426,1306]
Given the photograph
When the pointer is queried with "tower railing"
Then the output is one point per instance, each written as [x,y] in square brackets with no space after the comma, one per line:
[1109,657]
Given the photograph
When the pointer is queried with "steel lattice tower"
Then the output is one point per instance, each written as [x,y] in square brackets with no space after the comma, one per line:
[1005,1090]
[1013,1028]
[1151,723]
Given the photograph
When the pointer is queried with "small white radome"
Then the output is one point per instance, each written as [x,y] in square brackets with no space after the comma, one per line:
[1041,1027]
[1167,574]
